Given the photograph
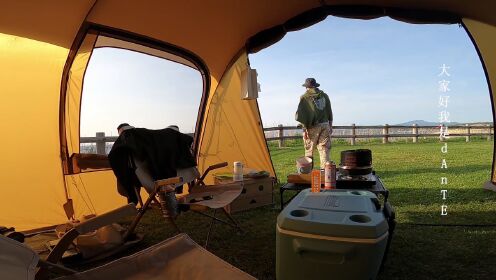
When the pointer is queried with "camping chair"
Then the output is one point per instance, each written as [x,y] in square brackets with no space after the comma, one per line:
[89,226]
[200,199]
[178,257]
[18,261]
[128,238]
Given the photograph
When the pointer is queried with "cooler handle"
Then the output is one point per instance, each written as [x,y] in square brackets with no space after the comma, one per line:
[314,252]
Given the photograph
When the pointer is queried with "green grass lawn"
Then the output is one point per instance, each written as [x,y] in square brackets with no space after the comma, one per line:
[412,173]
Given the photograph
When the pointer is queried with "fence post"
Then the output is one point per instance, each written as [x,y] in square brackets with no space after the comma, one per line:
[467,138]
[281,134]
[489,132]
[100,143]
[353,134]
[415,133]
[385,132]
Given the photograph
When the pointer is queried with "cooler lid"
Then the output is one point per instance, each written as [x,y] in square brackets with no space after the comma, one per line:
[334,213]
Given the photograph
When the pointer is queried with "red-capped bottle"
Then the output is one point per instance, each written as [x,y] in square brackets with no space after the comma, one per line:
[330,175]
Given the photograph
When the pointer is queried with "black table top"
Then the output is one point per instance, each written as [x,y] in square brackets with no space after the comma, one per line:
[377,188]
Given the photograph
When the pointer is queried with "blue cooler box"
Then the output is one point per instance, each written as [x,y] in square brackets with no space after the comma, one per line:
[334,234]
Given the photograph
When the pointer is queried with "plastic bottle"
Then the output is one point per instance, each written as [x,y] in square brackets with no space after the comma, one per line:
[315,181]
[238,171]
[327,176]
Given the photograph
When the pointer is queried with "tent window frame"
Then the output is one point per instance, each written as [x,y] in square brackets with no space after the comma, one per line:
[87,28]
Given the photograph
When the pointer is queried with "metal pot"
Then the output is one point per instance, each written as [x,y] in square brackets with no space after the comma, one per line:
[356,162]
[304,165]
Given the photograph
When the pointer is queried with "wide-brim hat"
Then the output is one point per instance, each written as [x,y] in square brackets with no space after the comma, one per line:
[310,83]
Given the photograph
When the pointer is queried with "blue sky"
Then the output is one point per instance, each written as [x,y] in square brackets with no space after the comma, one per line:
[142,90]
[375,72]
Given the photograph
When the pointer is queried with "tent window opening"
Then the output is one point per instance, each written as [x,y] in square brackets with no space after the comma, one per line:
[122,86]
[114,78]
[376,72]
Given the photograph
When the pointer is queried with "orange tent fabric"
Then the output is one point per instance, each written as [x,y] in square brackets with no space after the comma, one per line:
[45,47]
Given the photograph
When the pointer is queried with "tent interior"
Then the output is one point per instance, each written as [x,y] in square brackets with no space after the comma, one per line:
[44,53]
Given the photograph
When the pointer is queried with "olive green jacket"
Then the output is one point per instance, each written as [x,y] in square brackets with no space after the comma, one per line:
[314,108]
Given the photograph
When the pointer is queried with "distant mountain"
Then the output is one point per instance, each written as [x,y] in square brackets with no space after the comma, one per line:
[424,123]
[481,123]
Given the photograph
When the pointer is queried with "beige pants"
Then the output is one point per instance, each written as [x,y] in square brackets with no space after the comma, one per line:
[320,136]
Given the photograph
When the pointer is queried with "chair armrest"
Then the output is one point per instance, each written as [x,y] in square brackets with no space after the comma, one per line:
[168,181]
[87,226]
[58,251]
[212,167]
[218,165]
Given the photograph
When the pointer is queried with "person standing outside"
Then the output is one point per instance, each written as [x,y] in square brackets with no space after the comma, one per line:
[315,115]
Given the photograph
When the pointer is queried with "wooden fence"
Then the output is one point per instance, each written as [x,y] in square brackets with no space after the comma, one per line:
[387,132]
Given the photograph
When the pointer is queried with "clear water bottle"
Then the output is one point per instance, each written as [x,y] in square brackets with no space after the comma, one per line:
[327,176]
[238,171]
